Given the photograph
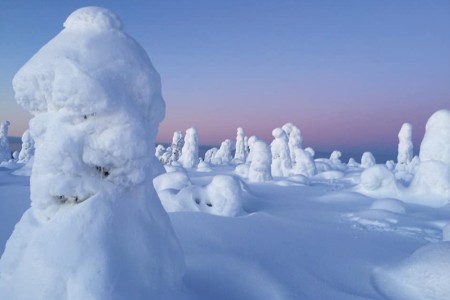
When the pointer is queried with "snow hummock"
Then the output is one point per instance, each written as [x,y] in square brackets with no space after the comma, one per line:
[96,104]
[367,160]
[5,152]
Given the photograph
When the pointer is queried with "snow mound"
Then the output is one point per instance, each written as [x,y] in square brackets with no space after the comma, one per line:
[392,205]
[378,178]
[423,275]
[222,196]
[93,17]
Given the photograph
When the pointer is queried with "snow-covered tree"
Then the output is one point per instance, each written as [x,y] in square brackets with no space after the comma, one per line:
[260,166]
[250,142]
[367,160]
[240,155]
[223,155]
[304,164]
[189,153]
[405,145]
[335,157]
[159,151]
[281,158]
[93,93]
[209,154]
[176,147]
[295,139]
[5,152]
[27,151]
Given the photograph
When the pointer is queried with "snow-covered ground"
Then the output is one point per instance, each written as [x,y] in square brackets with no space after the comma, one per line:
[293,241]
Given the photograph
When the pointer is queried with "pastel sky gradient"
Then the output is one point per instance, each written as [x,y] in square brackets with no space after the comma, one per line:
[348,73]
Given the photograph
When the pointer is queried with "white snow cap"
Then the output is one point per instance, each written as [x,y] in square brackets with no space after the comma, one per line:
[93,17]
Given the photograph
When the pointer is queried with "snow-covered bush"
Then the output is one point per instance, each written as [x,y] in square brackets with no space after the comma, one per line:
[240,155]
[260,166]
[176,147]
[405,145]
[96,104]
[352,163]
[367,160]
[281,158]
[223,155]
[5,152]
[189,153]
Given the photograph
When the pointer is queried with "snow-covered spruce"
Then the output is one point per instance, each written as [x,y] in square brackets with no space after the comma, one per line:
[176,147]
[209,154]
[295,139]
[240,155]
[189,153]
[304,164]
[27,150]
[159,152]
[260,165]
[367,160]
[405,145]
[96,104]
[281,158]
[223,155]
[5,152]
[432,178]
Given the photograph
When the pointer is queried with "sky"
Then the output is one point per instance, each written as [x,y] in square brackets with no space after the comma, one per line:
[347,73]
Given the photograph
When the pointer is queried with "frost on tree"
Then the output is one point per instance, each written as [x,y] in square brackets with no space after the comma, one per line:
[240,155]
[189,153]
[405,145]
[5,152]
[96,104]
[27,150]
[260,166]
[281,158]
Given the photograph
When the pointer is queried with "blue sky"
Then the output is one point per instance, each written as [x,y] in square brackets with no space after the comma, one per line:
[348,73]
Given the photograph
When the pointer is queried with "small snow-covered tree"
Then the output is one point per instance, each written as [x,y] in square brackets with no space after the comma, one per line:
[189,153]
[250,142]
[27,151]
[281,158]
[240,155]
[223,155]
[367,160]
[335,157]
[5,152]
[260,166]
[209,154]
[176,147]
[295,139]
[405,145]
[304,164]
[159,151]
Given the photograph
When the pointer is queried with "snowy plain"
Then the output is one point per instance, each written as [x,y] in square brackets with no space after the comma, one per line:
[295,241]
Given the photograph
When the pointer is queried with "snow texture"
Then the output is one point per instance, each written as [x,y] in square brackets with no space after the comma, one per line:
[5,152]
[96,104]
[189,153]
